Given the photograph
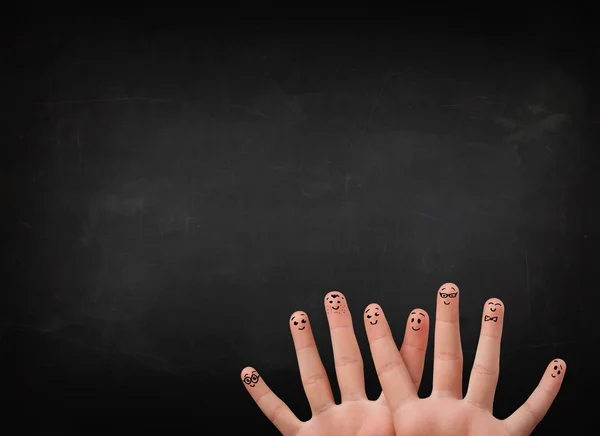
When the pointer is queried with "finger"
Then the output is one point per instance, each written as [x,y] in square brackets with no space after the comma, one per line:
[414,344]
[391,369]
[526,417]
[271,405]
[447,357]
[313,374]
[484,375]
[348,360]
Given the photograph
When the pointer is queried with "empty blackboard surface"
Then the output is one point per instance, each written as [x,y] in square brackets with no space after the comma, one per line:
[172,192]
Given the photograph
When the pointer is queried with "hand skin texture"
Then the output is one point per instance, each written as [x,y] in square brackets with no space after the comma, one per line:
[399,410]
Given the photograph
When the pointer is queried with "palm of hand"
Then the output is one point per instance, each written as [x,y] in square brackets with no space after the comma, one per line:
[446,417]
[356,418]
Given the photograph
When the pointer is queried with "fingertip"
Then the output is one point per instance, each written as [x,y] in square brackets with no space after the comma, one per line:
[247,370]
[372,307]
[449,285]
[419,312]
[335,303]
[560,363]
[297,313]
[298,316]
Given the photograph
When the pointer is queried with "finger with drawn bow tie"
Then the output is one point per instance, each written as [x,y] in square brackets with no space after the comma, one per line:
[484,375]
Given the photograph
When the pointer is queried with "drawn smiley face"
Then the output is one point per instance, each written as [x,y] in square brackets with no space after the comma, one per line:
[299,320]
[556,369]
[251,379]
[448,292]
[492,306]
[372,314]
[415,320]
[335,303]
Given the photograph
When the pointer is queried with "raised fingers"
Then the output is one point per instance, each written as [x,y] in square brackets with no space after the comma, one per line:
[484,375]
[312,372]
[271,405]
[391,369]
[414,344]
[526,417]
[448,358]
[346,354]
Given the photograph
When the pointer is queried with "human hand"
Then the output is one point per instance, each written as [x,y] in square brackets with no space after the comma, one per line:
[356,415]
[446,412]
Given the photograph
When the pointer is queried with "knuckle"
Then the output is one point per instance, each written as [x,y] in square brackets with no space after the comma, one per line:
[484,370]
[314,379]
[276,412]
[345,361]
[387,367]
[448,356]
[528,407]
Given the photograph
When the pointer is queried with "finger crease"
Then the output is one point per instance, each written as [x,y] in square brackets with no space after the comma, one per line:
[340,327]
[444,321]
[414,347]
[313,379]
[323,408]
[531,410]
[278,409]
[379,338]
[388,367]
[305,347]
[447,356]
[484,370]
[343,361]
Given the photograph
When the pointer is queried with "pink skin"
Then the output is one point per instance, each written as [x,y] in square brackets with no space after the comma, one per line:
[493,316]
[301,330]
[448,293]
[372,314]
[335,303]
[375,321]
[417,321]
[557,368]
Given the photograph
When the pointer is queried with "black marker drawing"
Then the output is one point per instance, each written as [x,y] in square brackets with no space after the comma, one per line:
[336,302]
[302,321]
[251,379]
[555,368]
[369,316]
[490,318]
[445,295]
[412,320]
[493,309]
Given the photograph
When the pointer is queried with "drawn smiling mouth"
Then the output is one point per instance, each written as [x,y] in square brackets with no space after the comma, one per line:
[302,328]
[446,303]
[373,323]
[553,376]
[335,308]
[415,329]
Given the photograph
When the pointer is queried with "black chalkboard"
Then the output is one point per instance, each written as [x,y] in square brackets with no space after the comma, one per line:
[172,194]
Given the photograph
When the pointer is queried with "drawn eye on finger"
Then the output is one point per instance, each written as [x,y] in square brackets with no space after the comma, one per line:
[299,320]
[416,319]
[372,314]
[493,311]
[557,369]
[447,293]
[335,302]
[251,379]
